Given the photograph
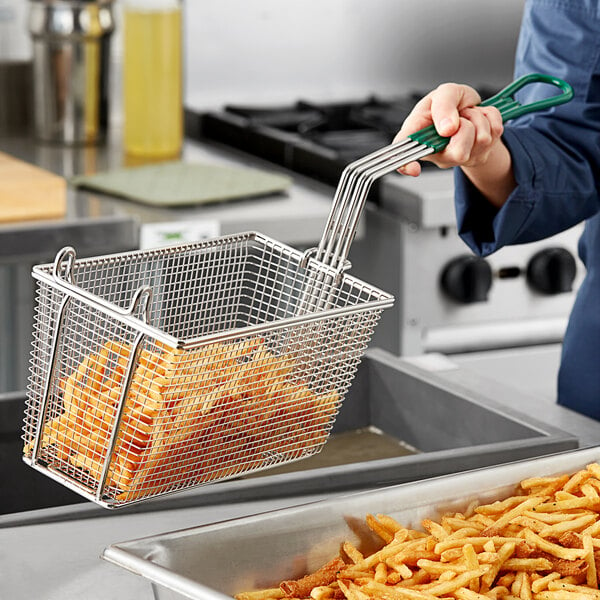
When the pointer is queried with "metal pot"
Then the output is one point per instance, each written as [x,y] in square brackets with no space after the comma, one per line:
[70,69]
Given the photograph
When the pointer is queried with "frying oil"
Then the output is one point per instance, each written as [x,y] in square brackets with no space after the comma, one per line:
[152,85]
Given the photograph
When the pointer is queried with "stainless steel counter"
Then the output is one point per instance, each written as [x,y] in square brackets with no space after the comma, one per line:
[61,561]
[297,217]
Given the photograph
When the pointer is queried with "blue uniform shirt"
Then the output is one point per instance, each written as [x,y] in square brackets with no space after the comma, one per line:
[556,162]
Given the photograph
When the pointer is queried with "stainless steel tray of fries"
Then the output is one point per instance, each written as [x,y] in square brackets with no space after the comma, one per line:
[471,544]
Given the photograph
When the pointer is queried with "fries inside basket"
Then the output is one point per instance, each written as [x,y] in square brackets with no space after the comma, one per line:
[543,543]
[188,417]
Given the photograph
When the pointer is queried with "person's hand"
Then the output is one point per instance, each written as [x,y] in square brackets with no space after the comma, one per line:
[474,131]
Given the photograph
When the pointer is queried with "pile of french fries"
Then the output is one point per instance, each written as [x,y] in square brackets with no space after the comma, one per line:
[190,416]
[543,543]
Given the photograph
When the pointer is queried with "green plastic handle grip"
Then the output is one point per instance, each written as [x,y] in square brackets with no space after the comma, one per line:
[505,102]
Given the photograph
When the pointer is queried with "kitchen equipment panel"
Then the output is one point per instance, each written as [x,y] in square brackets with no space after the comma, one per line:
[411,243]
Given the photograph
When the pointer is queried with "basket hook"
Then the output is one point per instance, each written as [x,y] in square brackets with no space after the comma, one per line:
[141,302]
[64,264]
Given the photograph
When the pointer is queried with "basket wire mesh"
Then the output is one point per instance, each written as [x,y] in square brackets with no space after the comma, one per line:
[156,371]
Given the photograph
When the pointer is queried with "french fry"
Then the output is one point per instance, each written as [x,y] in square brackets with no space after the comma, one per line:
[506,518]
[566,505]
[504,552]
[352,552]
[301,588]
[563,595]
[500,506]
[542,583]
[526,564]
[267,594]
[390,524]
[552,548]
[558,585]
[457,582]
[467,594]
[189,416]
[379,529]
[591,575]
[576,524]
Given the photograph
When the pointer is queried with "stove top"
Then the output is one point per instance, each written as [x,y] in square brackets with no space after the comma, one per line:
[314,139]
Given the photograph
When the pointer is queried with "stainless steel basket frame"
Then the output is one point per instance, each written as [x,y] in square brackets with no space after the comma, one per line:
[136,316]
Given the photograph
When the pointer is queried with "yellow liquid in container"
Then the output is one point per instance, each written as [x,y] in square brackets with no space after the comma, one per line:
[153,111]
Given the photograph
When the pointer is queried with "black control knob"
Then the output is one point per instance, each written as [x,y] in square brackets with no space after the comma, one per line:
[552,271]
[467,279]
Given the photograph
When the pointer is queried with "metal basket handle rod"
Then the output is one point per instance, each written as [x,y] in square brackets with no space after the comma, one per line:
[347,206]
[340,207]
[342,233]
[343,223]
[120,406]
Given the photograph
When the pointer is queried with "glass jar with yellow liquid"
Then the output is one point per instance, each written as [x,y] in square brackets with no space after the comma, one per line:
[152,88]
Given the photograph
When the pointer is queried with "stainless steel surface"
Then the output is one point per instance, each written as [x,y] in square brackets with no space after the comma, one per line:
[519,366]
[71,61]
[451,418]
[494,335]
[99,224]
[61,560]
[216,561]
[295,218]
[237,375]
[513,393]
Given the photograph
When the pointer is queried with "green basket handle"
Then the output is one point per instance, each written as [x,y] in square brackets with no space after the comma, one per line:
[505,102]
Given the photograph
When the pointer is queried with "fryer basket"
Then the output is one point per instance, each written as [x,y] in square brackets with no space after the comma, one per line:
[160,370]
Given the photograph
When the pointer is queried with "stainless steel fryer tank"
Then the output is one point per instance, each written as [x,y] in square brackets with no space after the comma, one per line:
[439,426]
[400,422]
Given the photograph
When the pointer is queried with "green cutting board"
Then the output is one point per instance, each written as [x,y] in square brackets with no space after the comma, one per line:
[184,184]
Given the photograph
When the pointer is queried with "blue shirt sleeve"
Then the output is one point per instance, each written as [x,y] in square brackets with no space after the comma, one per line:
[555,153]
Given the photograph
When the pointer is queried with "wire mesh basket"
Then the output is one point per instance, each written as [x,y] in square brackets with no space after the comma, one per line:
[156,371]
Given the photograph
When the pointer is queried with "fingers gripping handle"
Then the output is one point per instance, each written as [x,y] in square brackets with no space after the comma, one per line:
[508,106]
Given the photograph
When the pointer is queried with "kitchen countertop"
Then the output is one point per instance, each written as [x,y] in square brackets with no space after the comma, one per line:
[61,560]
[296,217]
[97,224]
